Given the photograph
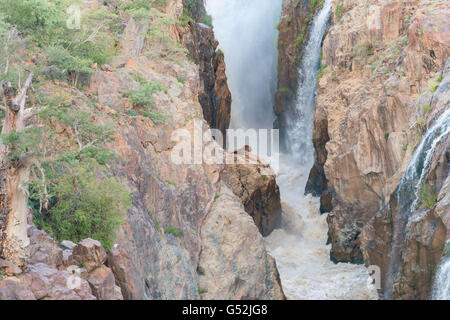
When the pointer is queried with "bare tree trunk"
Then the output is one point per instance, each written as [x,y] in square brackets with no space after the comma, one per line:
[13,179]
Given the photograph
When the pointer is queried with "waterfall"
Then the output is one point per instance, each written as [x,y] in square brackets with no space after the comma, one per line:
[441,289]
[408,192]
[247,35]
[300,125]
[246,30]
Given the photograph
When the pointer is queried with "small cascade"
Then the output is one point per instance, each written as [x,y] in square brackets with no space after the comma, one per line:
[408,192]
[441,289]
[247,35]
[300,123]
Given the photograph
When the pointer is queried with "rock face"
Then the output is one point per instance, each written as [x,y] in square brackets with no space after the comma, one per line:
[229,232]
[257,188]
[159,248]
[214,96]
[293,33]
[381,87]
[160,242]
[90,253]
[124,273]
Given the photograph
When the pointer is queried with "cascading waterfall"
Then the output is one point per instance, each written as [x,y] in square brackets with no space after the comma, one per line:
[408,193]
[299,131]
[247,35]
[441,290]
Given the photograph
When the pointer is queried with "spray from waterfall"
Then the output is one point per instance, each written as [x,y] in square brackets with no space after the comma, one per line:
[300,124]
[408,192]
[247,35]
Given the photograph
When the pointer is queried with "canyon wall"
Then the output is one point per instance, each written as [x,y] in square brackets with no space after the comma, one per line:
[381,85]
[183,219]
[293,29]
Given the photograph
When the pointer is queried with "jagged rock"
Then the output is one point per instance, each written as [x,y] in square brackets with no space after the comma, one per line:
[214,96]
[66,244]
[106,68]
[443,205]
[293,25]
[124,272]
[365,125]
[13,289]
[43,249]
[9,268]
[233,261]
[132,41]
[41,281]
[256,186]
[90,253]
[102,282]
[67,259]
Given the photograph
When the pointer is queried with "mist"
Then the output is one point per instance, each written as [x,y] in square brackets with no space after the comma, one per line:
[246,30]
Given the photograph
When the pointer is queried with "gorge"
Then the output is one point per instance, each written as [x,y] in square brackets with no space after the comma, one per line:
[94,206]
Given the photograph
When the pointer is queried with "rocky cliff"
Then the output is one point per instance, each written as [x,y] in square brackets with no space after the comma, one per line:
[178,239]
[296,18]
[382,83]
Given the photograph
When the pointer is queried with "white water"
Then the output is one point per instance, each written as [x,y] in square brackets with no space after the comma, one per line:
[408,194]
[442,282]
[246,32]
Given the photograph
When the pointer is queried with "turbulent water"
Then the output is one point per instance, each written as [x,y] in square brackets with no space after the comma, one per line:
[247,35]
[408,193]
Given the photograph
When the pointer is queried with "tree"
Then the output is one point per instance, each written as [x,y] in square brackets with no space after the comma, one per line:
[13,178]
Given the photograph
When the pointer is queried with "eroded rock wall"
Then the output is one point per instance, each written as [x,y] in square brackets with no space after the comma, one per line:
[380,87]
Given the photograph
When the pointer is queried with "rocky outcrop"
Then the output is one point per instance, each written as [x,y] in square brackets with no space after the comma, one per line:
[214,96]
[293,34]
[124,272]
[379,89]
[228,231]
[256,187]
[160,241]
[90,253]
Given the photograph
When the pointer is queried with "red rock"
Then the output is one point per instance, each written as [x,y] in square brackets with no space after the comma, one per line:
[90,253]
[102,283]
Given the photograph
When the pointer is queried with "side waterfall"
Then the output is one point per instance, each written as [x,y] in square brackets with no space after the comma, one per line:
[408,192]
[441,290]
[247,35]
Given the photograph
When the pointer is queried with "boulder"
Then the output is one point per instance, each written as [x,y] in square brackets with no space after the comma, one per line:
[124,272]
[233,262]
[90,253]
[67,245]
[8,268]
[102,282]
[255,184]
[13,289]
[43,249]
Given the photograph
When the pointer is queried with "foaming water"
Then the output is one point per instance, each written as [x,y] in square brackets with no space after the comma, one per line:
[299,247]
[247,35]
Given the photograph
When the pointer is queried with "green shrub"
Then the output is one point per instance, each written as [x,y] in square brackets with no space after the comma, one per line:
[41,19]
[142,97]
[156,117]
[428,196]
[86,206]
[363,49]
[207,19]
[173,230]
[339,11]
[131,113]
